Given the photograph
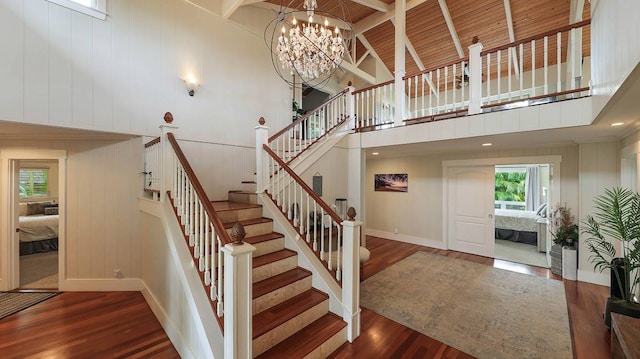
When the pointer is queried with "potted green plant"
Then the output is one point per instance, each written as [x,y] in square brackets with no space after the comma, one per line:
[616,219]
[564,233]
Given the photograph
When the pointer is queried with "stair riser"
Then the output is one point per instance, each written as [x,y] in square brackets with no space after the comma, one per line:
[281,332]
[239,214]
[243,197]
[267,247]
[329,346]
[274,268]
[256,229]
[281,294]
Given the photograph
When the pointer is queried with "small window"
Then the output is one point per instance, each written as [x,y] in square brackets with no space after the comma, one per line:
[34,182]
[95,8]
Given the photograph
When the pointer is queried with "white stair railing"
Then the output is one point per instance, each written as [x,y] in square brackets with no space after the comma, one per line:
[375,106]
[290,142]
[507,80]
[314,220]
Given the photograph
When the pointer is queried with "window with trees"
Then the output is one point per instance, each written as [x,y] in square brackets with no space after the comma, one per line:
[34,182]
[510,189]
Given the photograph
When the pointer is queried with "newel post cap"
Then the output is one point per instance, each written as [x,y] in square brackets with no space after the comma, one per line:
[238,233]
[351,214]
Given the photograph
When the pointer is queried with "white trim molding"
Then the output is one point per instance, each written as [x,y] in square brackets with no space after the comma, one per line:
[98,8]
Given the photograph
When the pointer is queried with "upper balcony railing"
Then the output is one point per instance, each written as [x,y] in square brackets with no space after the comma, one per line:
[543,68]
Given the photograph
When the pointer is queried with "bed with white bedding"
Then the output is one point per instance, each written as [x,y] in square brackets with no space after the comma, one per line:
[38,227]
[517,226]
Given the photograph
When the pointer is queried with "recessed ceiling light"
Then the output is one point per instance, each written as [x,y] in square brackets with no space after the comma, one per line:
[375,153]
[617,124]
[487,144]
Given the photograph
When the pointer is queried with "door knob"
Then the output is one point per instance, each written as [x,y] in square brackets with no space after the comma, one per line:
[490,215]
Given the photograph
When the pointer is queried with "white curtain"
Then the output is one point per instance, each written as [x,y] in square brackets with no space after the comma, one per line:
[532,189]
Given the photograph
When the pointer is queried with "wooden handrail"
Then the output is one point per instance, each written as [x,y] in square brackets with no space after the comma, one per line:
[202,195]
[304,186]
[539,36]
[309,113]
[433,68]
[152,142]
[566,92]
[374,86]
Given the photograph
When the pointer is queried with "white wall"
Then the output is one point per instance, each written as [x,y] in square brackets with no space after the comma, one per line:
[599,169]
[615,45]
[60,67]
[102,226]
[417,214]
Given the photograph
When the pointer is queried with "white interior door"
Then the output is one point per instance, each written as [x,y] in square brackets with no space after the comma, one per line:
[471,212]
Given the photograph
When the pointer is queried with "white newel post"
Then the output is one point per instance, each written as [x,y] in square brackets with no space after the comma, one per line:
[165,152]
[237,298]
[351,107]
[475,79]
[351,275]
[262,138]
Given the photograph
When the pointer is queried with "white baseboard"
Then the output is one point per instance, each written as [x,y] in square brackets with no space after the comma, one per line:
[167,324]
[406,238]
[101,285]
[590,276]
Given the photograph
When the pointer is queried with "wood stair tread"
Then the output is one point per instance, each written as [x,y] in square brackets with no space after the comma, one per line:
[248,222]
[281,280]
[306,340]
[273,257]
[263,237]
[221,206]
[242,191]
[275,316]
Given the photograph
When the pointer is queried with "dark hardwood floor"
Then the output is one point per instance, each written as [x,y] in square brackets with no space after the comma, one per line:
[121,324]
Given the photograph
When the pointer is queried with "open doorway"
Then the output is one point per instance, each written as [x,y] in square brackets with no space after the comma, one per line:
[38,223]
[36,197]
[521,202]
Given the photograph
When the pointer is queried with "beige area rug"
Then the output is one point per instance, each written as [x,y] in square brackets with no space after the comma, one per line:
[14,302]
[520,253]
[483,311]
[39,271]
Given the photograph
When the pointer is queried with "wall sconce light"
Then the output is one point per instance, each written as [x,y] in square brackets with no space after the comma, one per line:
[192,85]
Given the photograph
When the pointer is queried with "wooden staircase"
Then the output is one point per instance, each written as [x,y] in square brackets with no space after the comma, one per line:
[291,319]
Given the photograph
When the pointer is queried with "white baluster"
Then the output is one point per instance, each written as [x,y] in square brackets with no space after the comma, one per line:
[546,66]
[533,68]
[499,75]
[558,62]
[521,68]
[207,250]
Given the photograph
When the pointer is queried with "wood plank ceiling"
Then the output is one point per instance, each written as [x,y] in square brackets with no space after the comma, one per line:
[433,40]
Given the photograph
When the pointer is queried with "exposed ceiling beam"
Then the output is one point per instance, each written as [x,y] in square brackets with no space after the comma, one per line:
[229,7]
[374,4]
[249,2]
[364,56]
[452,29]
[378,18]
[512,36]
[301,16]
[416,58]
[373,52]
[358,72]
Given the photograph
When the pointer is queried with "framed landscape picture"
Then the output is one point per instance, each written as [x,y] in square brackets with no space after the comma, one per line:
[391,182]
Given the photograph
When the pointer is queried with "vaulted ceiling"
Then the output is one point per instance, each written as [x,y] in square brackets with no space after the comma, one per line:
[440,31]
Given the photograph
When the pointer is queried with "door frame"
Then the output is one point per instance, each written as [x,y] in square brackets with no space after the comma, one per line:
[9,248]
[554,191]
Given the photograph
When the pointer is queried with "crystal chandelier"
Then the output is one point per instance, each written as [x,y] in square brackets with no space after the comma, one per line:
[308,49]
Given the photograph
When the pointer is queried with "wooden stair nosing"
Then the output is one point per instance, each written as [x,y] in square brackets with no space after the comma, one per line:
[263,237]
[239,191]
[233,206]
[273,257]
[278,281]
[306,340]
[279,314]
[248,222]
